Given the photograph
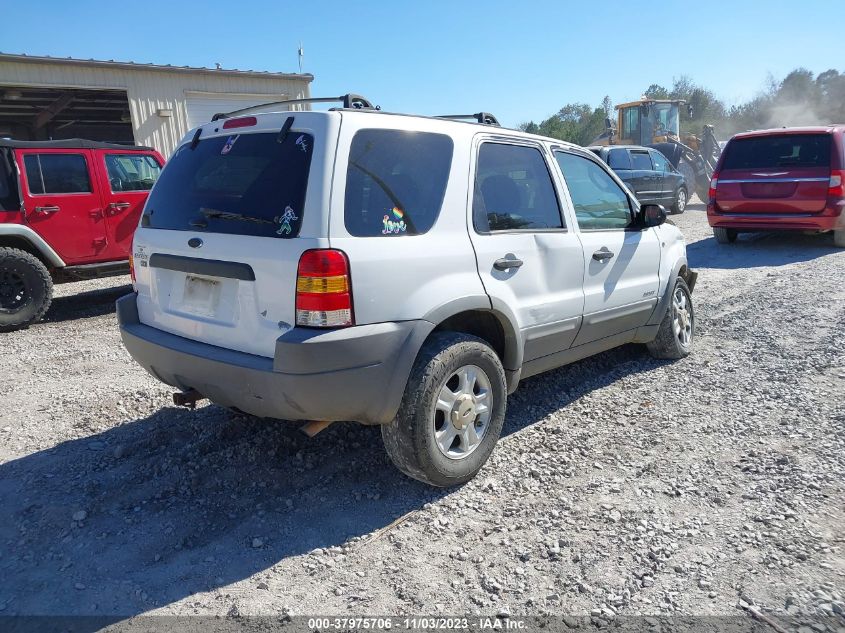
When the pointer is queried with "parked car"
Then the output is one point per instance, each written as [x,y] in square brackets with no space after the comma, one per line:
[389,269]
[648,174]
[786,179]
[68,210]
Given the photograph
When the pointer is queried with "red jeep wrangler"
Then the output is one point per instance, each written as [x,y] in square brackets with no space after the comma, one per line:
[68,211]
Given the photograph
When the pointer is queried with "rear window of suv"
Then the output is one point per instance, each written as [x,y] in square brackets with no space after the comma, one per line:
[778,151]
[244,184]
[395,182]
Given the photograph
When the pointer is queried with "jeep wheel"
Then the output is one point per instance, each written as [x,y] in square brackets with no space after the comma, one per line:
[677,329]
[26,289]
[680,201]
[724,236]
[452,411]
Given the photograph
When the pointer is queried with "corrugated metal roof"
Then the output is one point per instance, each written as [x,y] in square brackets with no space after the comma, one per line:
[11,57]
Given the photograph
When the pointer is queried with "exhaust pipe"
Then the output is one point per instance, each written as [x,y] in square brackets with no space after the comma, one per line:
[187,398]
[312,428]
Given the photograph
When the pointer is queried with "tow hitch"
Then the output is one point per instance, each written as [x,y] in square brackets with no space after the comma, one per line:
[187,398]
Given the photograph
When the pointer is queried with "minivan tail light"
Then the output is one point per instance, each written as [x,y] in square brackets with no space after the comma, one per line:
[244,121]
[323,289]
[836,188]
[714,182]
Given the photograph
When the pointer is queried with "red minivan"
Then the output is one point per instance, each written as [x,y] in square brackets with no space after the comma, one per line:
[782,179]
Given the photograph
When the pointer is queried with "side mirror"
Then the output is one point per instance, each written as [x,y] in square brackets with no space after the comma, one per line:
[650,215]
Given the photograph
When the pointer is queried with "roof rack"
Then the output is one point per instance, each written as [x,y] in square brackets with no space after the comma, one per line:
[484,118]
[353,101]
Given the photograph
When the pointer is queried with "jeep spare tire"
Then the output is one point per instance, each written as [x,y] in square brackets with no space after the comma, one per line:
[26,288]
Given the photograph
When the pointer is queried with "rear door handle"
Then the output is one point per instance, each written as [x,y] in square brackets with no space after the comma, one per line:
[50,209]
[507,262]
[116,207]
[603,254]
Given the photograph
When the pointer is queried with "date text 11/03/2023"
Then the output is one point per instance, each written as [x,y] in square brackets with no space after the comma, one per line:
[477,623]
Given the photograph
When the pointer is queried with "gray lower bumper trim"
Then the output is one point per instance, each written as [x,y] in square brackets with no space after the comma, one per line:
[357,374]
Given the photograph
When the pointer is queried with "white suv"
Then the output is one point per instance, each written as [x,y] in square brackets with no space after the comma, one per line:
[398,270]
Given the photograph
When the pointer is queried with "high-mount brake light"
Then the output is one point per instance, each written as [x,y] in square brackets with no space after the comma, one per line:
[244,121]
[323,289]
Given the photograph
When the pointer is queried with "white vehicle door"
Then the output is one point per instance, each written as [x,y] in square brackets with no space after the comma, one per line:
[621,264]
[530,262]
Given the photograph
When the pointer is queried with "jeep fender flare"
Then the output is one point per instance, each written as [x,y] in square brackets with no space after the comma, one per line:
[35,240]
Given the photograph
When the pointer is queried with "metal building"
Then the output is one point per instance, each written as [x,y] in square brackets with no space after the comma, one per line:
[52,98]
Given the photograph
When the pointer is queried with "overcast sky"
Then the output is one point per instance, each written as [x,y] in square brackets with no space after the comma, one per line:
[518,60]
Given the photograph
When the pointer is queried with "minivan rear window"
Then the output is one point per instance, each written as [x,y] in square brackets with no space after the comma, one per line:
[778,151]
[395,182]
[243,184]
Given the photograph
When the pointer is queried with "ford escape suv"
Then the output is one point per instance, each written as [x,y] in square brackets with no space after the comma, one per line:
[390,269]
[785,179]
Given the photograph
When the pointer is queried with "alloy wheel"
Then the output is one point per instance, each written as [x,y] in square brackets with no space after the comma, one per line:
[462,412]
[682,321]
[13,294]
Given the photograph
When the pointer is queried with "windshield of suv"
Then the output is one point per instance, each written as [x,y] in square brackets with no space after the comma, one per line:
[779,150]
[244,184]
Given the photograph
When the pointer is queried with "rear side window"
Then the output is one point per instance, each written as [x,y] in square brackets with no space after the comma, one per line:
[243,184]
[619,159]
[56,173]
[660,162]
[513,190]
[641,160]
[776,151]
[131,172]
[395,182]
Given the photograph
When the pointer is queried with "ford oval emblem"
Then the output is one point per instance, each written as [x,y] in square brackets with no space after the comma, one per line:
[195,242]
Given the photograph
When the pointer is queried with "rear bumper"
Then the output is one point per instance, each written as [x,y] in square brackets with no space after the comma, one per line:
[828,220]
[357,374]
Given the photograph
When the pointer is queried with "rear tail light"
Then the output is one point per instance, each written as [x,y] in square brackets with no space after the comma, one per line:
[323,289]
[836,188]
[714,182]
[132,268]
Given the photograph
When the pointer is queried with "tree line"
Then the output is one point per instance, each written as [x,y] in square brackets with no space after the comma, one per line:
[801,98]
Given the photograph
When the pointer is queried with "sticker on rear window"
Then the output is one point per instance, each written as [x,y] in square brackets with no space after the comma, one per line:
[302,143]
[396,224]
[229,143]
[284,220]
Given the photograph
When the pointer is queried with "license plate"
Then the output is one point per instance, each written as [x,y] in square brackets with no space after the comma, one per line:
[201,295]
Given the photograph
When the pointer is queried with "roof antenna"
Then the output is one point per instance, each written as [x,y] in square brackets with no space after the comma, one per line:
[301,53]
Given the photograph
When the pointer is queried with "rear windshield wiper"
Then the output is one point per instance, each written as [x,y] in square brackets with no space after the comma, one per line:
[238,217]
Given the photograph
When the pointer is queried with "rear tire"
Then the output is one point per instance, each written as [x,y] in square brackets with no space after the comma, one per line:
[26,289]
[677,329]
[680,201]
[723,235]
[839,238]
[452,411]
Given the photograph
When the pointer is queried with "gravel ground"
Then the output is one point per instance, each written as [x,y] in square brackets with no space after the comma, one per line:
[622,485]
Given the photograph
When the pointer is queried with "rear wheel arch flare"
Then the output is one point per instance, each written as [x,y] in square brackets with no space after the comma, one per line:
[486,324]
